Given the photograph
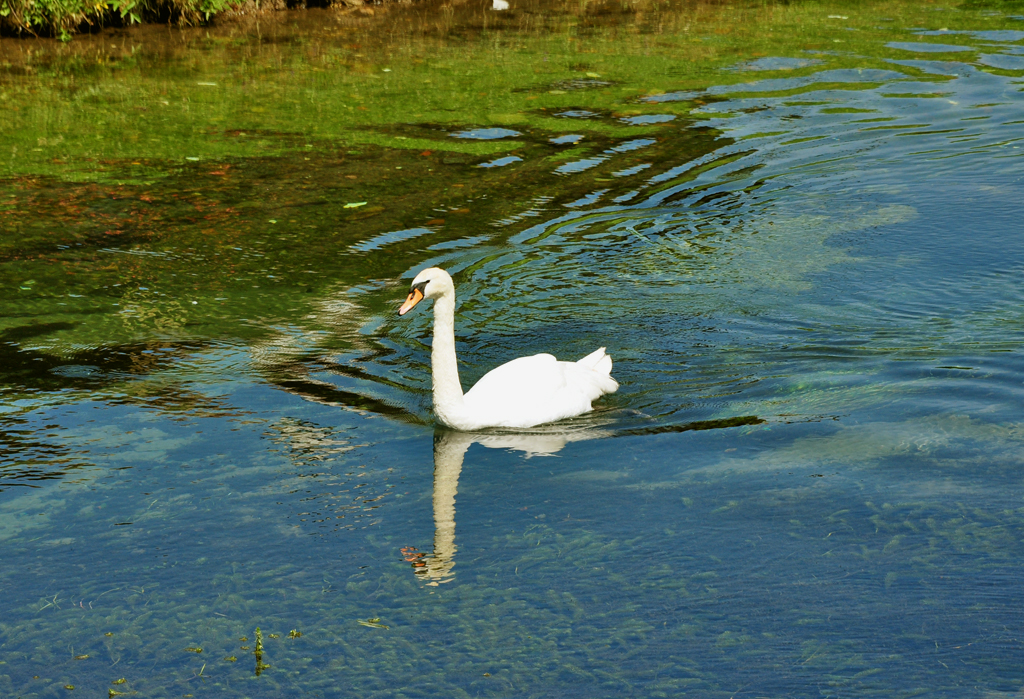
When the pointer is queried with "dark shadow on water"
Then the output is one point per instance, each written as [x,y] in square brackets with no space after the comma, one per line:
[692,426]
[329,394]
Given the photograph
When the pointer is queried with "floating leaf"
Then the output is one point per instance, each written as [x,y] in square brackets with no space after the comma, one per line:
[81,657]
[294,634]
[194,649]
[355,204]
[120,681]
[275,635]
[231,658]
[373,623]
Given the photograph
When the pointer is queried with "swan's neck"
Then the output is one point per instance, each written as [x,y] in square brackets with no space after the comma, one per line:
[445,369]
[449,452]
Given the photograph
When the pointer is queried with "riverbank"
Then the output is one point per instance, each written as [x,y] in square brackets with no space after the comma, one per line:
[63,19]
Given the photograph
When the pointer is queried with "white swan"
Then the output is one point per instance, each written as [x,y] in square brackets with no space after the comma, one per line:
[522,393]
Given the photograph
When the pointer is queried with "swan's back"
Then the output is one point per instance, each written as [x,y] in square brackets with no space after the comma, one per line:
[533,390]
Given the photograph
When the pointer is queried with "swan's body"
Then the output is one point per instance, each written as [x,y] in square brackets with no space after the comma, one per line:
[522,393]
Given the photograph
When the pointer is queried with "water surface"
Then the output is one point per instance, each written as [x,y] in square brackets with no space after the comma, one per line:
[796,232]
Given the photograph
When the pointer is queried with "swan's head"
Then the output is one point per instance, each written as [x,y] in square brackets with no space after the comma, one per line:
[431,283]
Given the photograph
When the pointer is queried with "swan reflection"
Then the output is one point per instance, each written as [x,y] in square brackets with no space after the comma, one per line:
[449,453]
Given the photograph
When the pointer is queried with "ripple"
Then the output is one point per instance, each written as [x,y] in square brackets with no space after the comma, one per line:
[1003,61]
[568,139]
[778,63]
[579,165]
[648,119]
[377,242]
[502,162]
[925,47]
[487,134]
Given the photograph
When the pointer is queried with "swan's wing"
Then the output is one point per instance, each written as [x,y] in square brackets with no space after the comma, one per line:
[533,390]
[599,371]
[598,361]
[519,380]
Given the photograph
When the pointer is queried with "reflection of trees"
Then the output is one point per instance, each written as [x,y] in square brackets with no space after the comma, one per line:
[26,458]
[337,495]
[119,373]
[147,313]
[295,358]
[115,370]
[305,442]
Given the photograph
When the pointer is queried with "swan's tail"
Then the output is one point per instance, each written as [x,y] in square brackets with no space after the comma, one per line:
[601,363]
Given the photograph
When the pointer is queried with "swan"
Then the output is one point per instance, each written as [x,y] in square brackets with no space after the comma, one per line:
[525,392]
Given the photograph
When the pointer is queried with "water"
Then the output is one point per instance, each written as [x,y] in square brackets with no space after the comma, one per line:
[797,234]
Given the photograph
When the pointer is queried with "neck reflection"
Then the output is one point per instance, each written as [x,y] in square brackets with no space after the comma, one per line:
[450,449]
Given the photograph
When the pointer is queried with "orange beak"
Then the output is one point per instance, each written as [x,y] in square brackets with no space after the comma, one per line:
[414,297]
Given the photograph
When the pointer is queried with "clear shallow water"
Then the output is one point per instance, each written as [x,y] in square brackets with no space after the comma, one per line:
[809,279]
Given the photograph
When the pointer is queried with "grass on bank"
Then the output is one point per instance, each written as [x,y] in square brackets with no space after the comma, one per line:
[63,18]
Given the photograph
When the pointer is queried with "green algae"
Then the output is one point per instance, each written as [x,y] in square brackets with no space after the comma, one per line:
[80,125]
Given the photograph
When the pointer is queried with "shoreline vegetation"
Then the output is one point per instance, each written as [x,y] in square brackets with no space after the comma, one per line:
[63,19]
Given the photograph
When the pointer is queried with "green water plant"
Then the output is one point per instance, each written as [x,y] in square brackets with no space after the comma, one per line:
[258,652]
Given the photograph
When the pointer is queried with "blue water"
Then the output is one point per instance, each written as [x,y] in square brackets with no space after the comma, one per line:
[808,484]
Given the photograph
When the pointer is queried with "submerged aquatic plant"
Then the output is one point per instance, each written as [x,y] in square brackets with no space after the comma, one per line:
[258,652]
